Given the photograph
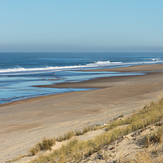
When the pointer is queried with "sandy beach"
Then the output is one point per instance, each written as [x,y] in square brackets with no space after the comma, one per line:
[23,123]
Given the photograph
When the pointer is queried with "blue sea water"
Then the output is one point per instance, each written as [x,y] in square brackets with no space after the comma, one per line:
[19,72]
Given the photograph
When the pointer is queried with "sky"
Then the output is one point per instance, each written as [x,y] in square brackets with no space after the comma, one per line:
[81,25]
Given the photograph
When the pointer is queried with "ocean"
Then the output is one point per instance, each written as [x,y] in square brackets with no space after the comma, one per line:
[20,72]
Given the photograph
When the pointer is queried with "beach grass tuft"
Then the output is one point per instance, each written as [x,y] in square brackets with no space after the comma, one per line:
[66,136]
[153,138]
[45,144]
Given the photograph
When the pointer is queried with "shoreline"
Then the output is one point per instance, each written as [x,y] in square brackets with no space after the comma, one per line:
[147,69]
[25,122]
[134,68]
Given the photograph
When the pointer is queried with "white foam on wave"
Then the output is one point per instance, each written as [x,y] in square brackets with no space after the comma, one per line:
[58,68]
[153,61]
[156,59]
[98,64]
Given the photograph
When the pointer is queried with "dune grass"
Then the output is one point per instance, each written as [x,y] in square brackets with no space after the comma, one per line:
[76,150]
[46,144]
[141,157]
[153,138]
[66,136]
[70,134]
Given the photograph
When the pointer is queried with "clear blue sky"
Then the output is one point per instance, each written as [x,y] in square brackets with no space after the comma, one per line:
[81,25]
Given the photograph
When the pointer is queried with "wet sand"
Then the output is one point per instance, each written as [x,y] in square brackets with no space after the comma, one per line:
[23,123]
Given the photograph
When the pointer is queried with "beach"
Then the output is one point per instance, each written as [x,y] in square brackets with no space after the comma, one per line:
[25,122]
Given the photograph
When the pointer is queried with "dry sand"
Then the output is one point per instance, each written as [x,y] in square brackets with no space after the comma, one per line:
[24,123]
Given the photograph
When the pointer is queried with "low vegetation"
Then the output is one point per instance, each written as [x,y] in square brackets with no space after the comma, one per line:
[46,144]
[66,136]
[75,150]
[153,138]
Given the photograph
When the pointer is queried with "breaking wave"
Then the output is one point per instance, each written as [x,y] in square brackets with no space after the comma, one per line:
[98,64]
[22,70]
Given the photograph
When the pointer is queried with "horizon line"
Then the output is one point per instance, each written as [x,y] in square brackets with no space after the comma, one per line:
[81,51]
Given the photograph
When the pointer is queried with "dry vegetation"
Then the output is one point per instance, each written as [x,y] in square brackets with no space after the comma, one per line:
[46,143]
[76,151]
[153,138]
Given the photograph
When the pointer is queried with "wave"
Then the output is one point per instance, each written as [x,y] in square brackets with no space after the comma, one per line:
[156,59]
[98,64]
[58,68]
